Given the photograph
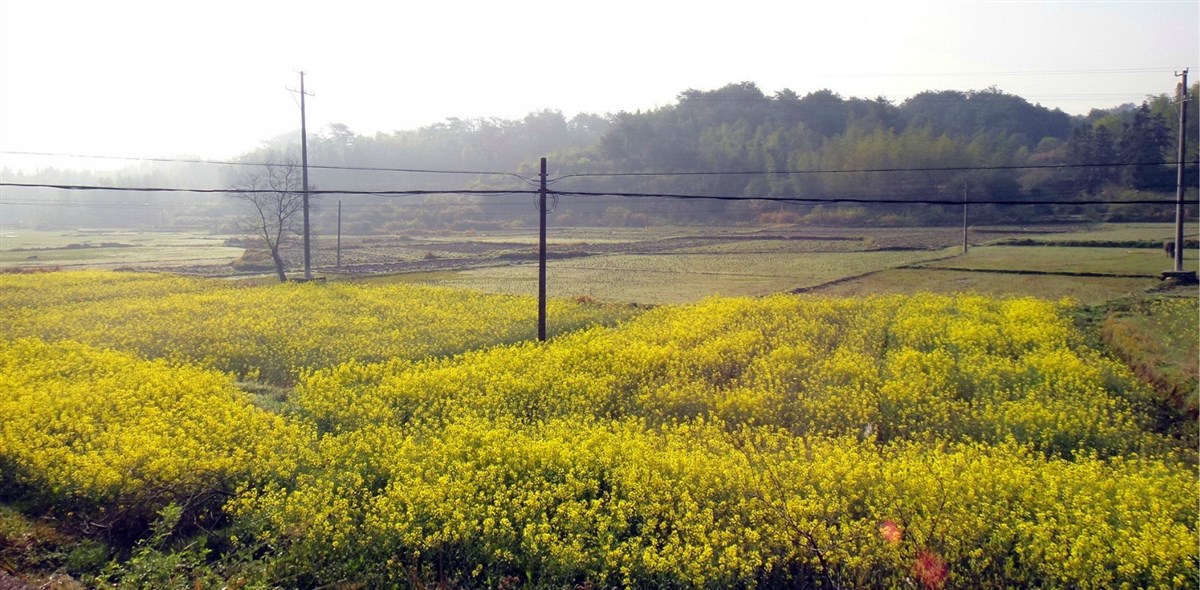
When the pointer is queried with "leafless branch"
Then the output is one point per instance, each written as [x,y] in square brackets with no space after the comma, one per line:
[276,194]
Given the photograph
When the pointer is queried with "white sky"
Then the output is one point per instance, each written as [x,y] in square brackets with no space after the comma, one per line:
[208,79]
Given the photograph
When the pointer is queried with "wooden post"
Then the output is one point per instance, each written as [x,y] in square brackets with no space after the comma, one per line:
[964,219]
[542,254]
[1179,189]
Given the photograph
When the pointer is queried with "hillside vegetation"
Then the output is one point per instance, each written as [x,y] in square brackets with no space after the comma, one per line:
[981,144]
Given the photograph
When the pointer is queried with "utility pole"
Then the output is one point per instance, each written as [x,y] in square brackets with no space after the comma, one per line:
[542,254]
[1183,105]
[339,235]
[964,219]
[304,168]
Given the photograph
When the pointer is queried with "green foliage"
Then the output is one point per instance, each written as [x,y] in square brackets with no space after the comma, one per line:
[736,127]
[87,557]
[1145,139]
[165,560]
[1158,339]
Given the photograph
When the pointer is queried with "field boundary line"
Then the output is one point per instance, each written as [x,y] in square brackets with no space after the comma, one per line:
[840,280]
[1028,272]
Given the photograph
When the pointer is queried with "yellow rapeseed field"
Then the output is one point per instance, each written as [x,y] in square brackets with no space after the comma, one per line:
[271,333]
[919,441]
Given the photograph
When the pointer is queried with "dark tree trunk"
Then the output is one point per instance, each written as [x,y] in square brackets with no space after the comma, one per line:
[278,265]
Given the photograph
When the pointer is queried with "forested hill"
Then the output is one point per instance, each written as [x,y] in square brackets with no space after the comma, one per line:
[739,128]
[988,145]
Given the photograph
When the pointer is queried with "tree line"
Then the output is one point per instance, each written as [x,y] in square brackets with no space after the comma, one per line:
[985,137]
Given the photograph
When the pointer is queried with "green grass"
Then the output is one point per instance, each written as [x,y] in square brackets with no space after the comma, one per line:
[25,248]
[677,278]
[1086,290]
[752,246]
[530,237]
[575,235]
[1158,339]
[1109,261]
[676,264]
[1118,232]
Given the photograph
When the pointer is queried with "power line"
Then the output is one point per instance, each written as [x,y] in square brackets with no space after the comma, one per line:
[863,170]
[239,191]
[502,192]
[93,205]
[1012,73]
[182,205]
[533,182]
[866,200]
[488,192]
[259,164]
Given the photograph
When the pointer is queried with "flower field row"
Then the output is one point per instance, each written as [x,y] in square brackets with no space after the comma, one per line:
[116,437]
[618,503]
[922,441]
[274,332]
[740,442]
[966,368]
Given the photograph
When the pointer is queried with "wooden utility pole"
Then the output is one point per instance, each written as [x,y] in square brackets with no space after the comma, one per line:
[964,219]
[542,254]
[304,165]
[1183,105]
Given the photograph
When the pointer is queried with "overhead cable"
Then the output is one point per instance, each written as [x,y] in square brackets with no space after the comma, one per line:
[866,200]
[866,170]
[777,199]
[242,191]
[260,164]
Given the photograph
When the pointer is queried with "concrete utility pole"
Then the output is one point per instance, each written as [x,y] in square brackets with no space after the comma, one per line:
[1179,189]
[542,254]
[304,164]
[339,236]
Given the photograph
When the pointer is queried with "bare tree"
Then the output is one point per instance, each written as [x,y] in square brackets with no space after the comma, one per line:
[276,194]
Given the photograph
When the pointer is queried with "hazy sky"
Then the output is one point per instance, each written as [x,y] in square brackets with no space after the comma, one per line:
[208,79]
